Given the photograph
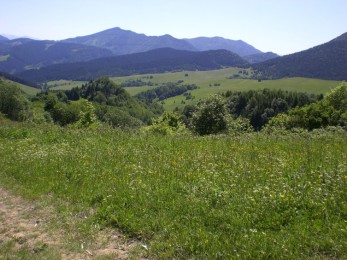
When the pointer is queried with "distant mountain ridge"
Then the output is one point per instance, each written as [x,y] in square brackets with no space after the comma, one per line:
[239,47]
[122,42]
[260,57]
[22,54]
[2,38]
[154,61]
[325,61]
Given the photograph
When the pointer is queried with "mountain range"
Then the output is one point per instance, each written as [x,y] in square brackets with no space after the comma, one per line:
[154,61]
[23,54]
[116,52]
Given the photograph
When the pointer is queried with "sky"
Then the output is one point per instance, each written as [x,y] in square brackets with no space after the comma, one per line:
[280,26]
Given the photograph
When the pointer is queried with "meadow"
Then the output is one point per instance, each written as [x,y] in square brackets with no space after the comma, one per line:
[219,81]
[250,196]
[210,82]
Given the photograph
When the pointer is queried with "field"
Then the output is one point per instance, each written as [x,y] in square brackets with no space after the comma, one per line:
[210,82]
[248,196]
[64,84]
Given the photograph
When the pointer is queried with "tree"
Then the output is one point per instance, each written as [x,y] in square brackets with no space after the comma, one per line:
[87,116]
[211,116]
[13,102]
[167,124]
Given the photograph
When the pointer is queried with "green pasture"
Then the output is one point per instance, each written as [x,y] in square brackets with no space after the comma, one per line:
[253,196]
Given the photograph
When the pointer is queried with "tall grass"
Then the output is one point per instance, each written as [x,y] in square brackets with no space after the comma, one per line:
[252,196]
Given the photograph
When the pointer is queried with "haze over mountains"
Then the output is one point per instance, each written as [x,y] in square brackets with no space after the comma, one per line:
[23,54]
[116,52]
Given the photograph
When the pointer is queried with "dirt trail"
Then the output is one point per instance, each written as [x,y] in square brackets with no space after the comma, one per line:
[27,225]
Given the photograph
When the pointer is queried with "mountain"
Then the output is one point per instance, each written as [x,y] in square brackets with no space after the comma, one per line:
[12,78]
[326,61]
[122,42]
[3,39]
[154,61]
[239,47]
[22,54]
[260,57]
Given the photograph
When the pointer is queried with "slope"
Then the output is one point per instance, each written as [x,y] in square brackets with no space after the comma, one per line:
[122,42]
[22,54]
[155,61]
[215,43]
[260,57]
[326,61]
[3,39]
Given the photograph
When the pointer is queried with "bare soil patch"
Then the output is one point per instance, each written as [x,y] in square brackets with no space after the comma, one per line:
[27,225]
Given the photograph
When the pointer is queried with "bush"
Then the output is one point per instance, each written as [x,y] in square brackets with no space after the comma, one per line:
[13,102]
[211,116]
[167,124]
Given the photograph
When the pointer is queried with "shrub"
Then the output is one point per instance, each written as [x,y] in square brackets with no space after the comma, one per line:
[13,102]
[211,116]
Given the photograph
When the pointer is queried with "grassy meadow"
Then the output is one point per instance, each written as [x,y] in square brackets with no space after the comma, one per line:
[210,82]
[218,81]
[64,84]
[249,196]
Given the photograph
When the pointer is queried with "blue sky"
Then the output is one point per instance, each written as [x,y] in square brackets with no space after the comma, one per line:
[281,26]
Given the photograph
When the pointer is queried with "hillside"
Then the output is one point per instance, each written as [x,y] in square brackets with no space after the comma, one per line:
[155,61]
[13,78]
[3,39]
[122,42]
[326,61]
[260,57]
[239,47]
[23,85]
[22,54]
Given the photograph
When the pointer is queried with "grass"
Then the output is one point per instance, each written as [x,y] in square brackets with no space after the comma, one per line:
[64,84]
[217,81]
[249,196]
[4,57]
[28,90]
[211,82]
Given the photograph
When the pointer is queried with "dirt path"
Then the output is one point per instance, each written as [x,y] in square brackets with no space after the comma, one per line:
[27,227]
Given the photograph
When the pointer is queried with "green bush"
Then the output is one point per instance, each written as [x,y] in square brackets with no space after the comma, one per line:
[167,124]
[211,116]
[13,102]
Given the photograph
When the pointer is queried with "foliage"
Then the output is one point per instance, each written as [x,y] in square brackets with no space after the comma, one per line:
[87,117]
[167,124]
[210,116]
[106,92]
[116,117]
[331,111]
[166,91]
[186,197]
[13,102]
[259,106]
[239,125]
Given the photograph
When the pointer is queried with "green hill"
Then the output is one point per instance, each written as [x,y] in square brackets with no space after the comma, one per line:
[155,61]
[326,61]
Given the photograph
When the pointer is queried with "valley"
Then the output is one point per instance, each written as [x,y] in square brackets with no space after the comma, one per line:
[122,145]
